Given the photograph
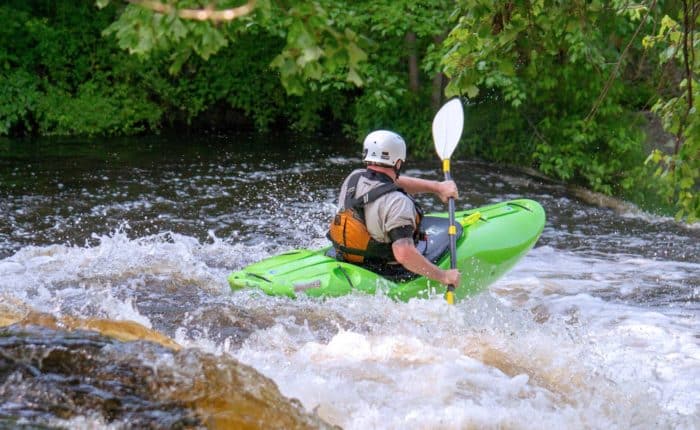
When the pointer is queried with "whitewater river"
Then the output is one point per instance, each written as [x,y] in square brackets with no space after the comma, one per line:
[115,311]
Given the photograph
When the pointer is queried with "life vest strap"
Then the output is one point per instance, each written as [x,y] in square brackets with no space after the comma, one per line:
[352,202]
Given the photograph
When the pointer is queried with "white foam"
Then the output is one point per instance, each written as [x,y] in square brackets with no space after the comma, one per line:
[424,364]
[91,422]
[90,281]
[655,348]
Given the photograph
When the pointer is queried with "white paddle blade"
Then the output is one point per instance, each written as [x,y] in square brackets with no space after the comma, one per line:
[447,128]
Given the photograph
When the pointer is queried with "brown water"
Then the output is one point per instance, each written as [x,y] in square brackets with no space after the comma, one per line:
[116,312]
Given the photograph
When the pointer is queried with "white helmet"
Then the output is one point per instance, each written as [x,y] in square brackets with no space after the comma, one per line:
[384,147]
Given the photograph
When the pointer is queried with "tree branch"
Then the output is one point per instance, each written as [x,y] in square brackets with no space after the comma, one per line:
[207,14]
[535,129]
[688,51]
[611,78]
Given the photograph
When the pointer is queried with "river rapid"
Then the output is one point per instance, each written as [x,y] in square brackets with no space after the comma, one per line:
[115,311]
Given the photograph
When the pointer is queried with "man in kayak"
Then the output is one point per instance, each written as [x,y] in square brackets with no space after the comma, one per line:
[378,222]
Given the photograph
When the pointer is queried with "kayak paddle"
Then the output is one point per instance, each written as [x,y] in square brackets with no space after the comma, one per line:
[447,130]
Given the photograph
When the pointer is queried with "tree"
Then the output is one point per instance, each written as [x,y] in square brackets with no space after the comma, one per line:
[679,169]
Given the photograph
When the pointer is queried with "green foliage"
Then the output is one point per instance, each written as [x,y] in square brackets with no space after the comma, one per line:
[19,95]
[316,44]
[19,89]
[568,79]
[61,76]
[545,64]
[59,80]
[94,110]
[678,172]
[240,79]
[328,49]
[142,31]
[386,100]
[300,61]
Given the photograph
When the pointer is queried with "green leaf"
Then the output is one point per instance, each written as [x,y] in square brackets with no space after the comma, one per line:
[354,77]
[686,183]
[309,54]
[355,54]
[679,215]
[506,67]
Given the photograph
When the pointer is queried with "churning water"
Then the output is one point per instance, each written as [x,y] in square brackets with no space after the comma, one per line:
[117,314]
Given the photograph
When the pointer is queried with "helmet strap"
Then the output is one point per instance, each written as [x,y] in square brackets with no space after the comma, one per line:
[397,170]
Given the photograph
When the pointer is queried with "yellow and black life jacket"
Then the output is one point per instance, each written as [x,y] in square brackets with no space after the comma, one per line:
[348,231]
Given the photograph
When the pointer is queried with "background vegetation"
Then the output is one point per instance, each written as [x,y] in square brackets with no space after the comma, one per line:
[573,88]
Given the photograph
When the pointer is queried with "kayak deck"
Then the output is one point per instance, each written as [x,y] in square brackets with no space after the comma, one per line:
[494,238]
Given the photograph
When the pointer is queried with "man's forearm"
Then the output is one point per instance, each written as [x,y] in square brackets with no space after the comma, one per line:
[408,255]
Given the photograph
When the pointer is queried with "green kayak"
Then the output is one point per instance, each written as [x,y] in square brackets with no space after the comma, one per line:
[491,239]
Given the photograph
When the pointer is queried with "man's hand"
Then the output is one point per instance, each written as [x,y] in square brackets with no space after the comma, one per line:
[447,189]
[451,277]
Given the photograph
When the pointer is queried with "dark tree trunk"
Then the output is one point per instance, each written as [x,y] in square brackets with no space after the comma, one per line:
[438,81]
[413,75]
[436,94]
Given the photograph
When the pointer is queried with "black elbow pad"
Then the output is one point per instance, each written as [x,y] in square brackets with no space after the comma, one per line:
[402,232]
